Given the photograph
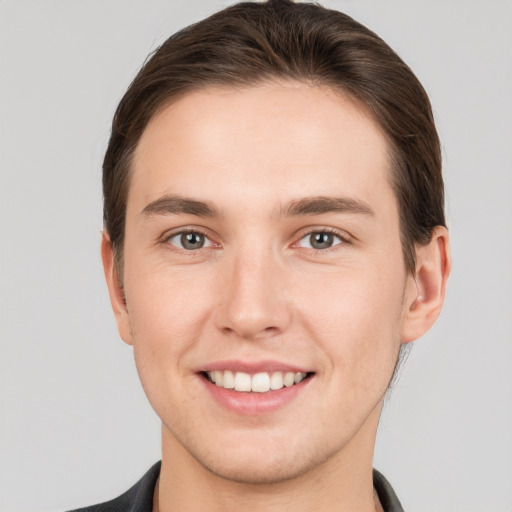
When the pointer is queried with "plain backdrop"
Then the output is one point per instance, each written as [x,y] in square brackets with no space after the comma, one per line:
[75,427]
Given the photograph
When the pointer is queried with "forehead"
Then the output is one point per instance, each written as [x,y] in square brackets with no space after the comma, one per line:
[272,140]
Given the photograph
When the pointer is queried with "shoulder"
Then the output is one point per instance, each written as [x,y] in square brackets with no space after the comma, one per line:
[139,498]
[387,496]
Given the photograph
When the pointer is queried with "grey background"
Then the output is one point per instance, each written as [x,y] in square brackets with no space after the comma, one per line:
[75,427]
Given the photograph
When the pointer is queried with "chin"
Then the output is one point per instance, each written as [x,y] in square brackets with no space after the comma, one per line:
[261,465]
[258,472]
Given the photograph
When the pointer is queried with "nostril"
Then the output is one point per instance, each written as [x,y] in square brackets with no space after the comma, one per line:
[248,333]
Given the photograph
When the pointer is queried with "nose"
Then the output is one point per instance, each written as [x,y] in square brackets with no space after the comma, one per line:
[254,298]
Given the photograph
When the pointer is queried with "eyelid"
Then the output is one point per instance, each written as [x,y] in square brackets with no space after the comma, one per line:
[342,235]
[345,237]
[183,230]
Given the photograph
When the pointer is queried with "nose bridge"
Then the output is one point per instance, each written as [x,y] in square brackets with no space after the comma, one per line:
[253,301]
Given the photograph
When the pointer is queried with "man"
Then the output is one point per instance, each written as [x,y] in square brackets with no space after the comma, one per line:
[274,236]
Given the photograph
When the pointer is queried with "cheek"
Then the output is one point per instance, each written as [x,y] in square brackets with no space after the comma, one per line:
[167,315]
[167,311]
[165,302]
[355,315]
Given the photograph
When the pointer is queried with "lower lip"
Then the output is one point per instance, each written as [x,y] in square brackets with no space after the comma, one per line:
[252,404]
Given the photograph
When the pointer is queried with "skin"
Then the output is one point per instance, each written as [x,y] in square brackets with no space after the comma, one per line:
[258,290]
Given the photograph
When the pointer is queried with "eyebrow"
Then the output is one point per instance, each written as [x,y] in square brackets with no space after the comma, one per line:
[175,205]
[322,204]
[318,205]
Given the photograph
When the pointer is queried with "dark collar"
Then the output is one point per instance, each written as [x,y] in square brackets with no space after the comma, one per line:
[387,496]
[139,498]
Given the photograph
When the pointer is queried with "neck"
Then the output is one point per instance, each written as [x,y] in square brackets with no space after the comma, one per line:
[343,482]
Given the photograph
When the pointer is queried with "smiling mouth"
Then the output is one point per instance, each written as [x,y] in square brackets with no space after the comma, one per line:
[262,382]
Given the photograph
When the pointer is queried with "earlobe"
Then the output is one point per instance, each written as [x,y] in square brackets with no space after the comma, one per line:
[115,290]
[426,289]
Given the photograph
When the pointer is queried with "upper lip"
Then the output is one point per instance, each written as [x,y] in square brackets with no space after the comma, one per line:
[252,366]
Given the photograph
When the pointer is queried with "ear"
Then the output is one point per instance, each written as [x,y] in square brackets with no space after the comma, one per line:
[115,290]
[425,290]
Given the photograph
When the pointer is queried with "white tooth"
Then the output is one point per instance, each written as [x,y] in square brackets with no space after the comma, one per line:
[289,379]
[276,381]
[260,382]
[219,378]
[211,376]
[228,381]
[298,377]
[242,381]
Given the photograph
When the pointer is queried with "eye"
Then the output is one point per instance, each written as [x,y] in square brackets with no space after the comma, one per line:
[189,240]
[319,240]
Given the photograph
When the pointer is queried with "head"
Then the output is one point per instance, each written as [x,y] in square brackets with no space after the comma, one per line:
[273,205]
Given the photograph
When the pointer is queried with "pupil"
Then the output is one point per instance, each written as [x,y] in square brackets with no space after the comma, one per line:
[192,240]
[321,240]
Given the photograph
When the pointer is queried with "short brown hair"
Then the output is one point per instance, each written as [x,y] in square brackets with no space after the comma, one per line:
[250,43]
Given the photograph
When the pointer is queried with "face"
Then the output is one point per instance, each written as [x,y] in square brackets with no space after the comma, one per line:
[263,249]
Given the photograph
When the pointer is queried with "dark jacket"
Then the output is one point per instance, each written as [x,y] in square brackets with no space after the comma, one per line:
[139,498]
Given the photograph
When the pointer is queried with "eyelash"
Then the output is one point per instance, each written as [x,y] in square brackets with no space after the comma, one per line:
[343,238]
[166,239]
[180,234]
